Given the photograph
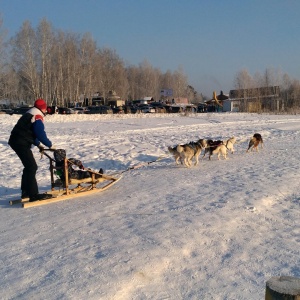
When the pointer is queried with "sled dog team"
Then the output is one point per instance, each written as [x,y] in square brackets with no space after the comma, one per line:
[184,154]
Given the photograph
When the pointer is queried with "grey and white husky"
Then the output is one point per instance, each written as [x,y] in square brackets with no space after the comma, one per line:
[185,153]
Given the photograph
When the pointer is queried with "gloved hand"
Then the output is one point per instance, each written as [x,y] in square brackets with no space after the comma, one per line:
[41,148]
[53,147]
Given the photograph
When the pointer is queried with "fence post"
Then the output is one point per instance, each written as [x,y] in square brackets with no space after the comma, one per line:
[283,288]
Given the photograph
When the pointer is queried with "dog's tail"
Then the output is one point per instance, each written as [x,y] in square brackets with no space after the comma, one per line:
[180,148]
[251,143]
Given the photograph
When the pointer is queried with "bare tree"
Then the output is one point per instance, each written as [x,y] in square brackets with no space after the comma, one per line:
[25,58]
[166,80]
[179,83]
[71,66]
[58,77]
[243,82]
[294,95]
[112,73]
[88,56]
[286,83]
[193,96]
[148,80]
[4,67]
[45,39]
[132,73]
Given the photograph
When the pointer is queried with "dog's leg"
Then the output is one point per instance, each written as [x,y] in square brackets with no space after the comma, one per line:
[191,161]
[186,162]
[197,154]
[250,149]
[196,160]
[178,159]
[224,153]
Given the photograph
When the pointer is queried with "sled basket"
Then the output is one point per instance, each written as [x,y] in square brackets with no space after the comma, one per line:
[64,188]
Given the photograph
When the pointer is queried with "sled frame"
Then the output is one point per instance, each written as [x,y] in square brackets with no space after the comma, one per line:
[70,188]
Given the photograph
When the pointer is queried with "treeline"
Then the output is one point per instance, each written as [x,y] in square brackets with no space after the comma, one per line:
[60,66]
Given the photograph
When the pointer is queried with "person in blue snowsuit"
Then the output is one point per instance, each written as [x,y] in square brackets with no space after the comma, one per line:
[29,131]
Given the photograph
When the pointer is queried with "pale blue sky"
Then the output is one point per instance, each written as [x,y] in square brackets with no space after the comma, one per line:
[211,40]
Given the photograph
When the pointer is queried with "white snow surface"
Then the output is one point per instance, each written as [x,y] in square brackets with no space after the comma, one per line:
[219,230]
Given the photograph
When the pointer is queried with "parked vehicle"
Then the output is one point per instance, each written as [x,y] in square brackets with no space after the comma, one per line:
[101,109]
[66,111]
[132,109]
[202,108]
[8,111]
[173,109]
[146,108]
[52,110]
[159,107]
[139,102]
[118,110]
[81,110]
[20,110]
[190,108]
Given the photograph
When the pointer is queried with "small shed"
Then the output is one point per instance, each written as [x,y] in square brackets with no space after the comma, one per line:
[231,105]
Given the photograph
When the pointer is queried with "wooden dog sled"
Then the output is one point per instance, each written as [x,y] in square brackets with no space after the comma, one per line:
[70,188]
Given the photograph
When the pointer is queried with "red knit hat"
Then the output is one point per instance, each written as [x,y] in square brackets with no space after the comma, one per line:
[40,104]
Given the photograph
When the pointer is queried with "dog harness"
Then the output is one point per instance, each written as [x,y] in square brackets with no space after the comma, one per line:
[193,146]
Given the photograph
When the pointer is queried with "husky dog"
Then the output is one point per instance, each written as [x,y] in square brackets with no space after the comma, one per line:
[175,153]
[255,141]
[229,144]
[210,145]
[216,147]
[185,153]
[203,143]
[189,151]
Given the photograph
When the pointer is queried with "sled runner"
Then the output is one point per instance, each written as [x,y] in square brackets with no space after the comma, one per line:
[64,187]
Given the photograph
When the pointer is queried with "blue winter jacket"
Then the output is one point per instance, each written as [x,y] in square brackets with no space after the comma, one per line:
[30,130]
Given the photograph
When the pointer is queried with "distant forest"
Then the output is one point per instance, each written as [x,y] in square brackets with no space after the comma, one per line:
[62,67]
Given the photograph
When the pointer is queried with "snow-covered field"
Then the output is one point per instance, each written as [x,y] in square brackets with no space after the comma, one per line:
[216,231]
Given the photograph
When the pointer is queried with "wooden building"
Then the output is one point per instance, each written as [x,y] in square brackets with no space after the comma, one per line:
[254,100]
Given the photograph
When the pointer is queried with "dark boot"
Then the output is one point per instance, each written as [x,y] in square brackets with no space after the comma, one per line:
[39,197]
[24,195]
[100,172]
